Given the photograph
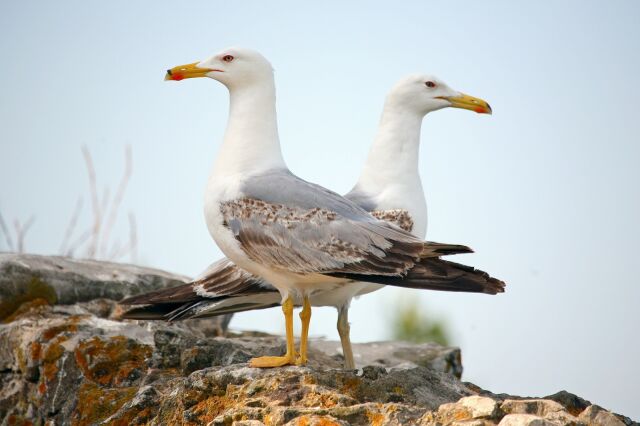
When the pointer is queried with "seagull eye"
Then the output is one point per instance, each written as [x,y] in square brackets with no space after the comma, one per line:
[430,84]
[227,58]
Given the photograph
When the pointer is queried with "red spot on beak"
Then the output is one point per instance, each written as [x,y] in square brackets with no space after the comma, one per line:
[177,76]
[480,110]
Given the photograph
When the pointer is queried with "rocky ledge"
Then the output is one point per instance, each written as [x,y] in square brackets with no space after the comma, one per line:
[66,358]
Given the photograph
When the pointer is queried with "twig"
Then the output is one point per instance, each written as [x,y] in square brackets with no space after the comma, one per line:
[71,227]
[133,238]
[77,243]
[117,200]
[93,246]
[21,232]
[7,235]
[114,253]
[131,248]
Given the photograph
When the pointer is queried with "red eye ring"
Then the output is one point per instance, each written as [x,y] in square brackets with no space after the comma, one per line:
[227,58]
[430,84]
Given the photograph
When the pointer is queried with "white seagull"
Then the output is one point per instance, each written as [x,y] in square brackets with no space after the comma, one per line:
[297,235]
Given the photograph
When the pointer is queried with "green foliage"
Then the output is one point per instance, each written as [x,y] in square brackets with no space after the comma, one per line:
[411,324]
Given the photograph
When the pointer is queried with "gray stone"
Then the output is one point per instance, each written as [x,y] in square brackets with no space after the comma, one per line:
[66,358]
[598,416]
[524,420]
[67,281]
[396,354]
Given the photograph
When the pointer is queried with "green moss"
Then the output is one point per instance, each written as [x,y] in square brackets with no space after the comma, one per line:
[35,288]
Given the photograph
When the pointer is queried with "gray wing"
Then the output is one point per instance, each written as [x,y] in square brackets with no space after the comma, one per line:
[286,223]
[221,289]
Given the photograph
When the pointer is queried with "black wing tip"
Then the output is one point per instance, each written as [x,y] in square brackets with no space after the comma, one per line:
[494,286]
[144,313]
[446,249]
[141,299]
[458,249]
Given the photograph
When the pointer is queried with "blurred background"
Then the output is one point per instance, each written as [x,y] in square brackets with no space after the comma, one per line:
[545,190]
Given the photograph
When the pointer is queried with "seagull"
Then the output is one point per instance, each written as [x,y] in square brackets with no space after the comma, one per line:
[389,188]
[311,244]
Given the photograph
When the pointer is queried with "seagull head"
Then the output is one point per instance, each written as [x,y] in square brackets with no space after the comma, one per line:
[424,93]
[233,67]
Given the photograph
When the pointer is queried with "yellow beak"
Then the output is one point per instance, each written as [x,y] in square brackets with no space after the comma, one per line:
[469,102]
[186,71]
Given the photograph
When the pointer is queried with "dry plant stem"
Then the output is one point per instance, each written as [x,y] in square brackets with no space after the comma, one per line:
[7,234]
[95,203]
[133,238]
[21,232]
[115,251]
[71,227]
[78,242]
[117,201]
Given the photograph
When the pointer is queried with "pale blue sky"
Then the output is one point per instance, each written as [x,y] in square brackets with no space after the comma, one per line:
[545,190]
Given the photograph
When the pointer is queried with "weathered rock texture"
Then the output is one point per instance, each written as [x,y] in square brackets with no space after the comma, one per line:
[68,360]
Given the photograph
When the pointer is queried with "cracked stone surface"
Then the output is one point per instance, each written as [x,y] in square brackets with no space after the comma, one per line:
[66,358]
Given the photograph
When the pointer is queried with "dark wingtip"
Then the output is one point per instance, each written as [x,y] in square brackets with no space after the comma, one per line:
[494,285]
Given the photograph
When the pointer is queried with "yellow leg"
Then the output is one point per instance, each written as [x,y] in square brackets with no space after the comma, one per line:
[343,331]
[305,316]
[290,357]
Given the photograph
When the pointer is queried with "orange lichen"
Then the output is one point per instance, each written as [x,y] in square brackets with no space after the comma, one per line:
[375,419]
[96,403]
[14,420]
[308,420]
[350,386]
[111,361]
[69,327]
[319,400]
[134,417]
[35,350]
[308,379]
[208,409]
[50,358]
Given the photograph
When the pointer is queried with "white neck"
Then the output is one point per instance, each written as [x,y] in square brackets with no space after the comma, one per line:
[393,157]
[251,143]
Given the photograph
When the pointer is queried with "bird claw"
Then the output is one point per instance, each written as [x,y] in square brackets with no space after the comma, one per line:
[272,361]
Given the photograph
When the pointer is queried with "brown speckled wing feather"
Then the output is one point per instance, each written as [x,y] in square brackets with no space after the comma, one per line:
[322,241]
[399,217]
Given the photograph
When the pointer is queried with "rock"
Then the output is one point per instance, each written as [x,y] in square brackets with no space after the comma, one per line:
[468,408]
[480,407]
[77,363]
[393,354]
[572,403]
[524,420]
[67,281]
[595,415]
[545,408]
